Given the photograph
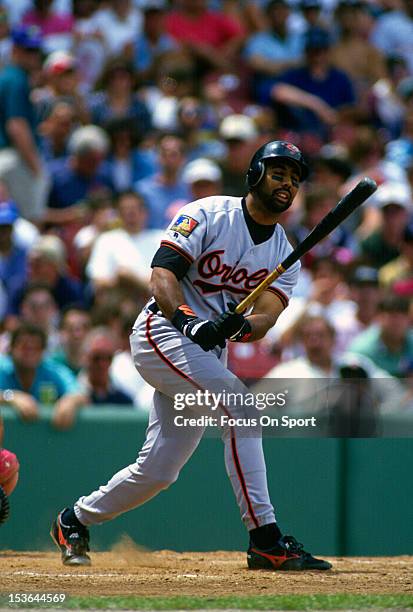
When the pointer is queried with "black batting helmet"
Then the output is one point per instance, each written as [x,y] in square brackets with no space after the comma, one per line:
[276,148]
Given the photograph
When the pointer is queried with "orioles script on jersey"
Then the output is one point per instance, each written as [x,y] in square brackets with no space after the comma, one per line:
[236,280]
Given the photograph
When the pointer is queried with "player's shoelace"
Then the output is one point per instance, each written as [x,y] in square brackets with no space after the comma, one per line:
[293,546]
[78,540]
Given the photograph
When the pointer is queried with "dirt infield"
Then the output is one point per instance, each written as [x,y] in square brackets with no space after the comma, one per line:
[127,570]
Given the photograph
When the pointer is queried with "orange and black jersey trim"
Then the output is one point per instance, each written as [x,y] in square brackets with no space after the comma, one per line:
[172,257]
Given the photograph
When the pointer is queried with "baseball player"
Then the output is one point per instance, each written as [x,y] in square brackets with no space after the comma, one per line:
[215,252]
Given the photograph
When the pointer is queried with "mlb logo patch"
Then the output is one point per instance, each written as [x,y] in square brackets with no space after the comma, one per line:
[184,225]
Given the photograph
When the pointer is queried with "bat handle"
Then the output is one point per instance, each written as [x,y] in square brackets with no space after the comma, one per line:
[250,299]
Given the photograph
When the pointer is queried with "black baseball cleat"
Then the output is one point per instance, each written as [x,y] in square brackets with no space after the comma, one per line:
[72,540]
[289,555]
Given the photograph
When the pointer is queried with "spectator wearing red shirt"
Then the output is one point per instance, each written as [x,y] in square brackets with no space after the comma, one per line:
[211,38]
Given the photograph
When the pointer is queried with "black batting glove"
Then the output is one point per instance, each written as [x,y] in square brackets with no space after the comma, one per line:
[201,331]
[235,327]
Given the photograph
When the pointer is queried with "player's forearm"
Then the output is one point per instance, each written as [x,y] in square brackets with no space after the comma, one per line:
[22,139]
[260,324]
[167,291]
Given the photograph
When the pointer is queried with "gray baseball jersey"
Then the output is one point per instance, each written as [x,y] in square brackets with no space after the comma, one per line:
[220,262]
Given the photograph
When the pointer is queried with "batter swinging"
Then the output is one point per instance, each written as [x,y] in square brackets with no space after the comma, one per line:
[215,252]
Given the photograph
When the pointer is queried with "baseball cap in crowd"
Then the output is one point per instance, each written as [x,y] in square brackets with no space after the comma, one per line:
[201,169]
[316,38]
[59,62]
[393,193]
[238,127]
[309,4]
[8,212]
[87,139]
[365,275]
[27,37]
[52,249]
[153,5]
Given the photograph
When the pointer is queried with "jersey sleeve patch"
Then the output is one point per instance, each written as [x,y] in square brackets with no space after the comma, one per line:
[184,225]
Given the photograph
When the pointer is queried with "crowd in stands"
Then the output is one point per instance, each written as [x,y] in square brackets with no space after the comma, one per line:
[115,113]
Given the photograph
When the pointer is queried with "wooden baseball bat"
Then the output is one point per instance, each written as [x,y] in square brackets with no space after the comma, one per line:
[352,200]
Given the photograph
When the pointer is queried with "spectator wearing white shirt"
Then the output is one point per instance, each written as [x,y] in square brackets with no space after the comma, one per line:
[120,24]
[121,257]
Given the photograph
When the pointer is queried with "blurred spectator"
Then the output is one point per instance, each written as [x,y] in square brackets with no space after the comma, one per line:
[13,258]
[401,268]
[47,265]
[127,162]
[212,38]
[317,336]
[76,178]
[20,164]
[393,31]
[116,98]
[102,216]
[239,134]
[318,201]
[317,95]
[123,372]
[389,343]
[62,85]
[55,27]
[5,40]
[55,131]
[25,233]
[311,15]
[366,294]
[33,380]
[383,245]
[165,191]
[275,50]
[331,168]
[119,22]
[191,118]
[203,177]
[121,257]
[175,78]
[352,53]
[38,307]
[327,296]
[75,324]
[388,108]
[154,42]
[95,381]
[400,151]
[89,47]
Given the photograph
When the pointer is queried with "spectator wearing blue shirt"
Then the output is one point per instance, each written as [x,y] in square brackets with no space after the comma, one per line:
[314,96]
[20,164]
[27,379]
[13,259]
[165,191]
[47,265]
[117,98]
[270,52]
[56,130]
[76,178]
[126,162]
[154,42]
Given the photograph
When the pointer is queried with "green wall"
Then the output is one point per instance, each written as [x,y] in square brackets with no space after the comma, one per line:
[338,496]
